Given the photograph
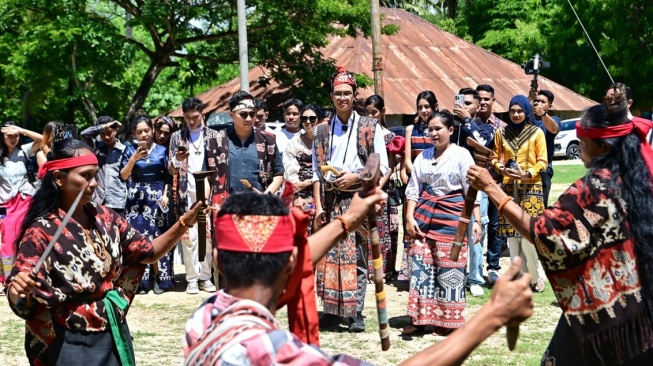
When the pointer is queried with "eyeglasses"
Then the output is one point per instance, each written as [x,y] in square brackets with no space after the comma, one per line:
[244,114]
[342,95]
[305,119]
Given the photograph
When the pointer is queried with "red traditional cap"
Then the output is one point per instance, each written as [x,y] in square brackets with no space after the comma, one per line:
[278,234]
[396,145]
[49,166]
[344,77]
[255,234]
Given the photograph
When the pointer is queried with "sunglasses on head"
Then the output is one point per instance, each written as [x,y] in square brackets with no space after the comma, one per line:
[305,119]
[244,114]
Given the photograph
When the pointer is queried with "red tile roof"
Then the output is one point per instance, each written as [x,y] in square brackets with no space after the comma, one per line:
[419,57]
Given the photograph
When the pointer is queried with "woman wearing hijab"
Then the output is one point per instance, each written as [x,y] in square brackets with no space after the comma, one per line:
[519,156]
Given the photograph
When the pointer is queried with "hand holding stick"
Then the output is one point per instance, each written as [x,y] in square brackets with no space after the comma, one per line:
[201,217]
[369,180]
[481,157]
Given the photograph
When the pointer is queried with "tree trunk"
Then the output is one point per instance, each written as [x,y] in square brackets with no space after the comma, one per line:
[452,8]
[143,90]
[26,115]
[70,118]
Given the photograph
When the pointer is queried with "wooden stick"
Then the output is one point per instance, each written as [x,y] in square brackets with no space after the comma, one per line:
[369,180]
[481,157]
[201,217]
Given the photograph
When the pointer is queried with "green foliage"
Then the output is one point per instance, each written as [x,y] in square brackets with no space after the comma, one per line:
[152,54]
[622,30]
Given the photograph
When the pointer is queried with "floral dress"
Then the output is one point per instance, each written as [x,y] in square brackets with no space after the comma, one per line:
[145,188]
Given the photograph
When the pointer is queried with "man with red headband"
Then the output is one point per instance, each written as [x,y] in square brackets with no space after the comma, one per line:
[262,250]
[344,144]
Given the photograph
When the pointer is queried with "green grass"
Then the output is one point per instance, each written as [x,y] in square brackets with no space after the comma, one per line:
[567,174]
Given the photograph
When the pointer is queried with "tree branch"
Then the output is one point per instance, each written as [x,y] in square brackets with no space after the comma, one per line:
[197,57]
[141,46]
[129,7]
[216,36]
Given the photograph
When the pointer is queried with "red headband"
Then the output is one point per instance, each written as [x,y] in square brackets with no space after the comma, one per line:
[640,126]
[344,77]
[74,162]
[278,234]
[255,234]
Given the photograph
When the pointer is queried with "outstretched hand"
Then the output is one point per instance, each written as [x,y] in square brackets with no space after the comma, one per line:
[190,217]
[512,298]
[480,178]
[357,212]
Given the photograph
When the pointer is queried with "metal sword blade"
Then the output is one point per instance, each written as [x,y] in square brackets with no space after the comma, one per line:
[57,234]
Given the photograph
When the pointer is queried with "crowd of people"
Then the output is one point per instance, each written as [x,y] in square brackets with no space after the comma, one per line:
[276,243]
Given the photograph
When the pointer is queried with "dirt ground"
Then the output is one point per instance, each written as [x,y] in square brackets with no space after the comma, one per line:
[157,324]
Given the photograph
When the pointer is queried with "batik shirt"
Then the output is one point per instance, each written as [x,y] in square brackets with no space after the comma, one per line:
[227,330]
[82,267]
[587,249]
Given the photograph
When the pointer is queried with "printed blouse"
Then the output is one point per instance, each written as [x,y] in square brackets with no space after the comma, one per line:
[82,267]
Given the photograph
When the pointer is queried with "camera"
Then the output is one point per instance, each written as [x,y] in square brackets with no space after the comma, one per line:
[534,65]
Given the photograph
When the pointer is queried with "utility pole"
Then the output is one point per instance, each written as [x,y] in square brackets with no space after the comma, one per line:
[242,45]
[377,60]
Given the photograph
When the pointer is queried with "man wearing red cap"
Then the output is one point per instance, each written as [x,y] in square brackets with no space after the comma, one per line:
[344,144]
[262,251]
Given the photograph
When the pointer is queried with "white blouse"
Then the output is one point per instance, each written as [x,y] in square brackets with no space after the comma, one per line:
[13,174]
[446,176]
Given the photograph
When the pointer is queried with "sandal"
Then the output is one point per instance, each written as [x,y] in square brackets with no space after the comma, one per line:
[412,330]
[539,286]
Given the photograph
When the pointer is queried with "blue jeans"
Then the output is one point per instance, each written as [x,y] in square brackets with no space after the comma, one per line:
[494,243]
[546,176]
[475,253]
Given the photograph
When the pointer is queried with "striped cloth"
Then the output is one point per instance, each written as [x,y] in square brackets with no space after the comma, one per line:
[246,333]
[437,216]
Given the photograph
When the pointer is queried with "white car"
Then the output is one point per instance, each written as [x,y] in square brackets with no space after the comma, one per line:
[566,142]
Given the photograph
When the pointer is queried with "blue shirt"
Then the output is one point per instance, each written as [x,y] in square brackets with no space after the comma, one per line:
[111,191]
[244,163]
[549,137]
[153,169]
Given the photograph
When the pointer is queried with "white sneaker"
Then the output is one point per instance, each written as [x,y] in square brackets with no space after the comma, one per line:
[192,288]
[476,290]
[207,286]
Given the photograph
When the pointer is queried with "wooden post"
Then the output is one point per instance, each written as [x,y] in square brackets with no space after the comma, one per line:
[377,60]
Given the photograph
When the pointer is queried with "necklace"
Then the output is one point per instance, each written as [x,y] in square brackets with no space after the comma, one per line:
[199,144]
[147,160]
[101,245]
[344,129]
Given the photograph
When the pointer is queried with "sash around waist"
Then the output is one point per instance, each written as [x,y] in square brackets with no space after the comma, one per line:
[437,216]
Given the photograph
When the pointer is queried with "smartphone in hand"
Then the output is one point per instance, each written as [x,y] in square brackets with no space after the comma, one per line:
[182,149]
[459,99]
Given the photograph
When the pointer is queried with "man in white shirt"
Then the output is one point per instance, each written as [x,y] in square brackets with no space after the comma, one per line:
[291,108]
[188,154]
[344,144]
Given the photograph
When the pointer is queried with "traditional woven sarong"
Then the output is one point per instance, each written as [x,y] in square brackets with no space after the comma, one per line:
[530,198]
[437,284]
[336,282]
[10,228]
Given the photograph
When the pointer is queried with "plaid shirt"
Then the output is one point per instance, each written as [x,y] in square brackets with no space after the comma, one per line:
[227,330]
[495,122]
